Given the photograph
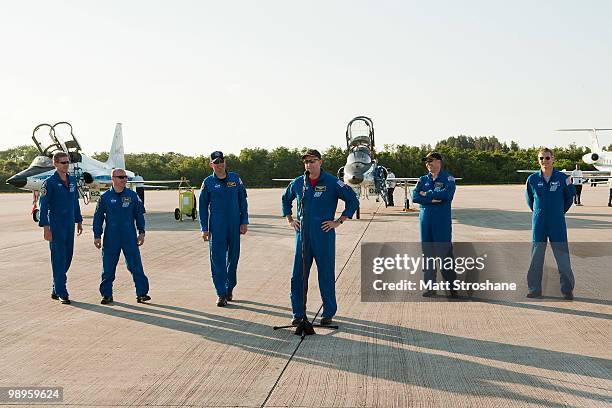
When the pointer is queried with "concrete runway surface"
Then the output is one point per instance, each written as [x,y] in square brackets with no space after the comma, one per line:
[182,350]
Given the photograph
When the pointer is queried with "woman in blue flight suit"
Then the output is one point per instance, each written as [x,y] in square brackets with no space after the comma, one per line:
[320,202]
[59,211]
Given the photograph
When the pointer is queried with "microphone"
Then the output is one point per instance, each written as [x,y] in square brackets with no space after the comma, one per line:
[307,173]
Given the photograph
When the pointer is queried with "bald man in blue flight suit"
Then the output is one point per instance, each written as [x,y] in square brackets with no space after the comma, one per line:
[434,192]
[549,193]
[118,209]
[59,211]
[223,195]
[317,229]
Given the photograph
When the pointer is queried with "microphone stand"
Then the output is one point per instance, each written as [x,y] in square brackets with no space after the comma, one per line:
[305,327]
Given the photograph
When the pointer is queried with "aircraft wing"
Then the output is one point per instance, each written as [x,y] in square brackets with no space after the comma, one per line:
[147,183]
[283,179]
[569,172]
[154,181]
[408,180]
[402,178]
[588,176]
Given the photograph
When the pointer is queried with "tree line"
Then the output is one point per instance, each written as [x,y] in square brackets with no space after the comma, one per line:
[478,160]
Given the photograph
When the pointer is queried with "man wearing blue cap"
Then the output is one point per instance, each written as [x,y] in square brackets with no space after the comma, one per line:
[549,194]
[434,192]
[59,211]
[320,191]
[223,218]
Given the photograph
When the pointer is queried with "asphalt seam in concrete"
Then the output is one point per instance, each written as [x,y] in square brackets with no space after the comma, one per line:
[320,308]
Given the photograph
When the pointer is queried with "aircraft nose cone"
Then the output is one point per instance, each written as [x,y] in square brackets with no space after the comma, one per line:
[18,182]
[355,179]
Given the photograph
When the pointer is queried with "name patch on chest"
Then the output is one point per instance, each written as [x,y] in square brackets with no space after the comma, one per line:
[231,184]
[554,185]
[438,185]
[320,189]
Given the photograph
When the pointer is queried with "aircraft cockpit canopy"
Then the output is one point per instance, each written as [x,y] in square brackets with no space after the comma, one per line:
[359,155]
[47,141]
[42,161]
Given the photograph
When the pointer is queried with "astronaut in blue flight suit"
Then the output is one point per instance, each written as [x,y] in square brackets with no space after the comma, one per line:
[434,192]
[317,230]
[223,195]
[549,195]
[118,209]
[59,211]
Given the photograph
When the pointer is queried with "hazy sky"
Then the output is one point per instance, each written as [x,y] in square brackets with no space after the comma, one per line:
[194,76]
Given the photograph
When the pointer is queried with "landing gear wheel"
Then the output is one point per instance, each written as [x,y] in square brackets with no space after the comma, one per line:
[358,213]
[177,214]
[36,215]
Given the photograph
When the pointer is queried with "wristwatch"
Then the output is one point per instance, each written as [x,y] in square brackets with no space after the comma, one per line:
[339,220]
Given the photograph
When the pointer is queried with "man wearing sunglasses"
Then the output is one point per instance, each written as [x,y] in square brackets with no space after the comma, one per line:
[118,209]
[435,192]
[223,218]
[550,193]
[321,193]
[59,211]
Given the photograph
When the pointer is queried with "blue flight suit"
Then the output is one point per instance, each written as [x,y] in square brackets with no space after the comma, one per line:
[119,211]
[60,210]
[435,221]
[226,200]
[549,201]
[320,205]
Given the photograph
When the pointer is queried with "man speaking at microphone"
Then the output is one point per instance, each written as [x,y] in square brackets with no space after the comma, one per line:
[320,192]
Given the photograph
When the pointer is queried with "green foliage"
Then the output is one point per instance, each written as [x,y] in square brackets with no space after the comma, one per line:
[477,160]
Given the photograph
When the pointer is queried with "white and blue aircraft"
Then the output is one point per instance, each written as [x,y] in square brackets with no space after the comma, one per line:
[93,176]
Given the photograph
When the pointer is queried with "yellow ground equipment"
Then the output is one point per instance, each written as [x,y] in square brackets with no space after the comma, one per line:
[187,201]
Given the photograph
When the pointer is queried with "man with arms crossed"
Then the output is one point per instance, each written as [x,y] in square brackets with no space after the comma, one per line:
[434,192]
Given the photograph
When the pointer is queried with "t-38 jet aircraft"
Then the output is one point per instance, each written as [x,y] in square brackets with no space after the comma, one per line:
[362,171]
[92,175]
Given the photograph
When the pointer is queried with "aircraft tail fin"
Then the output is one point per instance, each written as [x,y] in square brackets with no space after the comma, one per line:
[595,146]
[116,157]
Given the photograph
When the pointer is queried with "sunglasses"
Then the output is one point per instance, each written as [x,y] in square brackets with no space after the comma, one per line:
[121,177]
[218,161]
[429,160]
[545,158]
[64,162]
[311,161]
